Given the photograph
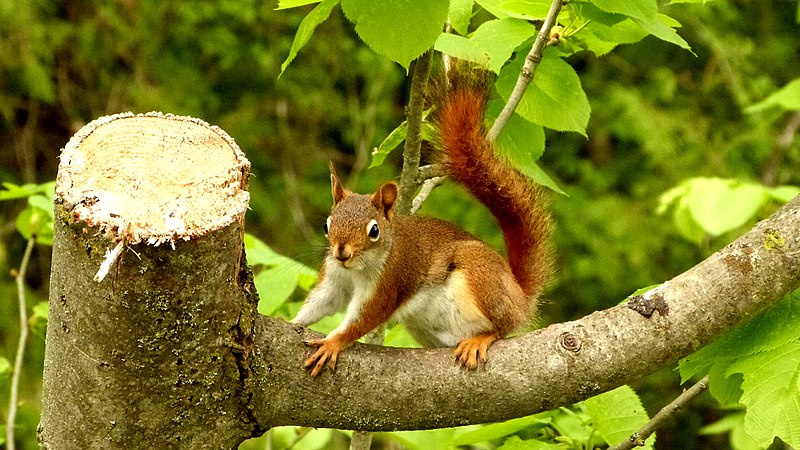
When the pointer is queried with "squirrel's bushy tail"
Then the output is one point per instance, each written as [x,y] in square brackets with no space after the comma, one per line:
[517,203]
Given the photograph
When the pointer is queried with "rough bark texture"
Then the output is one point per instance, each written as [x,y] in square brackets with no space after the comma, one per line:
[152,355]
[389,389]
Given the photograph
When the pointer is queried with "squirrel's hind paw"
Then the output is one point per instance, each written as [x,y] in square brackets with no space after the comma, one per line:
[471,351]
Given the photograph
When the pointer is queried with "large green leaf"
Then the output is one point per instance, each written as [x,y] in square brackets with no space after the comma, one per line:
[555,98]
[720,205]
[787,98]
[286,4]
[520,9]
[522,143]
[462,48]
[278,277]
[318,15]
[771,392]
[498,430]
[274,286]
[460,15]
[771,329]
[401,30]
[645,14]
[617,415]
[646,10]
[498,38]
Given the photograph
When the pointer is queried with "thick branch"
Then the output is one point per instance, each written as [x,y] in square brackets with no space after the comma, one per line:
[376,388]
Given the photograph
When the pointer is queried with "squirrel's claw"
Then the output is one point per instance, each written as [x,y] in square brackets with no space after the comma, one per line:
[326,354]
[471,351]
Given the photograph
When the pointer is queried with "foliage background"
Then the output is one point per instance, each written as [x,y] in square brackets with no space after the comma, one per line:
[659,115]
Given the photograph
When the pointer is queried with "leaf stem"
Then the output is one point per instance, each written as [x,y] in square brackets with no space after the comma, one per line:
[638,438]
[528,70]
[23,338]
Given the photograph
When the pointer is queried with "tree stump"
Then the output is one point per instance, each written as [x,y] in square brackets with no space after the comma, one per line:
[151,303]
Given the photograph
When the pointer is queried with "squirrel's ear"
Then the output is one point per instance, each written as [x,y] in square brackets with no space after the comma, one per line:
[384,198]
[338,191]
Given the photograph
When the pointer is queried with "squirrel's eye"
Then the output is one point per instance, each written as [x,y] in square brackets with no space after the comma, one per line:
[373,231]
[327,225]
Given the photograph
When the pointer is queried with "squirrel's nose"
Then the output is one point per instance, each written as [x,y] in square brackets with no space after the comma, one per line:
[342,252]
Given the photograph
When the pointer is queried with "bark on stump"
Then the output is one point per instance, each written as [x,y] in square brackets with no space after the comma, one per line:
[151,355]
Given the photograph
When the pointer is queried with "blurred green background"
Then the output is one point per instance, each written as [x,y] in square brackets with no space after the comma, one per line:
[659,115]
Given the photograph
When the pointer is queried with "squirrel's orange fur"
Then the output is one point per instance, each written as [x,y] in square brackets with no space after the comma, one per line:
[446,286]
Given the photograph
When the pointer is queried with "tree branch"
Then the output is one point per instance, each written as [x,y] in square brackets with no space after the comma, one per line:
[667,412]
[378,388]
[528,70]
[411,150]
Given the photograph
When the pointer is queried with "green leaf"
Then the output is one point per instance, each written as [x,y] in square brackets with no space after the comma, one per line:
[462,48]
[460,15]
[398,336]
[38,320]
[397,136]
[775,327]
[720,205]
[280,277]
[617,415]
[441,438]
[645,14]
[318,15]
[286,4]
[605,31]
[517,443]
[38,222]
[725,387]
[13,191]
[384,24]
[5,367]
[733,424]
[391,142]
[519,9]
[274,286]
[555,98]
[646,10]
[522,143]
[498,430]
[660,28]
[783,194]
[43,203]
[786,98]
[771,392]
[498,39]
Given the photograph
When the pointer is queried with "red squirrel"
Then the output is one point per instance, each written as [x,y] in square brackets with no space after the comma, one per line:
[446,286]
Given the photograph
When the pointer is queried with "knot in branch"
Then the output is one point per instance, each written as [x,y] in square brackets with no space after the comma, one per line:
[570,342]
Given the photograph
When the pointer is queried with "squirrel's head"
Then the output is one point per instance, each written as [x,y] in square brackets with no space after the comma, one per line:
[359,229]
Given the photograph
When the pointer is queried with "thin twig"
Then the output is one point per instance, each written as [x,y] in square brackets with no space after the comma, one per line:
[430,171]
[411,150]
[528,70]
[427,187]
[638,438]
[23,337]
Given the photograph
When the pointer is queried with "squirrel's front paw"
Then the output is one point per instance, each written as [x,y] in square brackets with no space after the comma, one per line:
[327,352]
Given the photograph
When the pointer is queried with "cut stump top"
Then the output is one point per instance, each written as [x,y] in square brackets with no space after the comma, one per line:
[153,177]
